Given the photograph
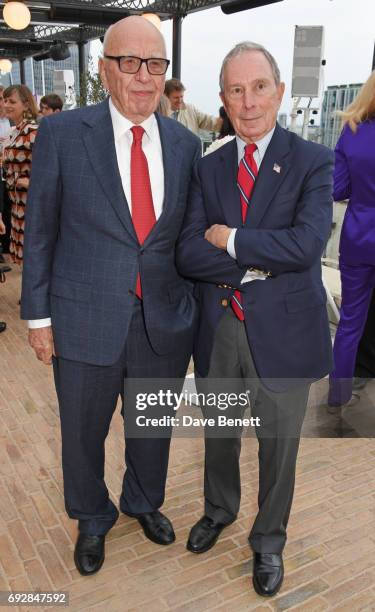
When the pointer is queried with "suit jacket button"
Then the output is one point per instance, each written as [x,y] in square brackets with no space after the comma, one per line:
[224,302]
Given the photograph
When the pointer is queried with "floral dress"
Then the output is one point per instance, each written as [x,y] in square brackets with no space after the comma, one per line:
[16,165]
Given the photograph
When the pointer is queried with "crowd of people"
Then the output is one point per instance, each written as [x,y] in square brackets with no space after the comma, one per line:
[19,117]
[138,253]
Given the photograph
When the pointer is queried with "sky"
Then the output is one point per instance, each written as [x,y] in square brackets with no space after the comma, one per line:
[349,33]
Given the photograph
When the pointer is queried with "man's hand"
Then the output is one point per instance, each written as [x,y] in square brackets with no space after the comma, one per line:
[218,236]
[2,226]
[41,340]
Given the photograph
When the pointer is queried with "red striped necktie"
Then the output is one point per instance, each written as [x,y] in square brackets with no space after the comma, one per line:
[143,213]
[247,173]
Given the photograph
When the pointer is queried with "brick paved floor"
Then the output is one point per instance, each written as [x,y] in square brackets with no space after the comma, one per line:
[329,558]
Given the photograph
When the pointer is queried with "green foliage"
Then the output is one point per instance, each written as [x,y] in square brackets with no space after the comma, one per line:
[91,88]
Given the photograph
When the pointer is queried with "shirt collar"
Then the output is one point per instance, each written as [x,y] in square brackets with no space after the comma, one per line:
[262,144]
[121,124]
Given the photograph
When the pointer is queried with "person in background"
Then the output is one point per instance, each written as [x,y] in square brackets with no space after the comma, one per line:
[5,130]
[354,179]
[227,128]
[50,104]
[164,107]
[365,361]
[187,114]
[5,127]
[226,133]
[3,325]
[21,109]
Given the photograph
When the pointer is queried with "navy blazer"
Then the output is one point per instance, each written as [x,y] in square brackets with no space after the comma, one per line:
[81,253]
[285,232]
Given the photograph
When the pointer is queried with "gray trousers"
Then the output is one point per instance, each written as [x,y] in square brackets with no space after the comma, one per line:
[281,416]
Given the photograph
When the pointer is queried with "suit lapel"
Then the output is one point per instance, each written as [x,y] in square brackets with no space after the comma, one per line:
[226,183]
[100,145]
[272,172]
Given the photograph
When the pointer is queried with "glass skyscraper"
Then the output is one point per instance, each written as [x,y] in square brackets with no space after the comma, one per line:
[39,75]
[336,97]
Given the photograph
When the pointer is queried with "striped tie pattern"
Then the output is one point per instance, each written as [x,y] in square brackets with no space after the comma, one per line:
[247,173]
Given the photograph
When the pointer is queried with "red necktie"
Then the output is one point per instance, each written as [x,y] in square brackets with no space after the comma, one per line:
[247,173]
[143,213]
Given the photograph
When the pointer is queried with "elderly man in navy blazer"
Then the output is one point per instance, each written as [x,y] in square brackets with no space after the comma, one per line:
[100,287]
[258,218]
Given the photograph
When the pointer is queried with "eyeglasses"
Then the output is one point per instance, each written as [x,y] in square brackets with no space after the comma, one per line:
[130,64]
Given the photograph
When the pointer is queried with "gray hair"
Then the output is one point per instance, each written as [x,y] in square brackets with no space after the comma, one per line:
[243,47]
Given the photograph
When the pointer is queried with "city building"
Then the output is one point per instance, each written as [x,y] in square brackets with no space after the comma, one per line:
[336,98]
[39,75]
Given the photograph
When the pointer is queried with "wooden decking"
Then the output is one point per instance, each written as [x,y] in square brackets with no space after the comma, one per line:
[330,555]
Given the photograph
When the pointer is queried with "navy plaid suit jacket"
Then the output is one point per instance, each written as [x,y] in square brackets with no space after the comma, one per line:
[81,254]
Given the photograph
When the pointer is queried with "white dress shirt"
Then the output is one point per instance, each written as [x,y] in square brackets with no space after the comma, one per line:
[258,155]
[151,146]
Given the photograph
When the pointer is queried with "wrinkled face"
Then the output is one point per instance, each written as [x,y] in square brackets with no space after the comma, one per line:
[251,97]
[136,96]
[176,98]
[14,107]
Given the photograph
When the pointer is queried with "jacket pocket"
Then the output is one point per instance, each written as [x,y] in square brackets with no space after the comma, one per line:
[303,300]
[71,290]
[177,291]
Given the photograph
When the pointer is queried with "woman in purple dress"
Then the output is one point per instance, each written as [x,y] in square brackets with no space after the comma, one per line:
[354,178]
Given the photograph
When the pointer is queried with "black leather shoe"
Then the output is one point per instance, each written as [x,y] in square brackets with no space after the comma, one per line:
[89,553]
[3,326]
[268,573]
[157,527]
[203,535]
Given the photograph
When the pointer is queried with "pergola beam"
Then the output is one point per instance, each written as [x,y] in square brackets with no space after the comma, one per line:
[78,21]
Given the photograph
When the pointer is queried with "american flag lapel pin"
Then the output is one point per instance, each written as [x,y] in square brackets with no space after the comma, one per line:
[277,168]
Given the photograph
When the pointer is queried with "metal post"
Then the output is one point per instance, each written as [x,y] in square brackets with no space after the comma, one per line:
[32,76]
[43,79]
[176,52]
[293,115]
[22,71]
[81,68]
[305,126]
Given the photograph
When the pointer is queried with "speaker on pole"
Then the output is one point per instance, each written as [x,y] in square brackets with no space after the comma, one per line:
[307,61]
